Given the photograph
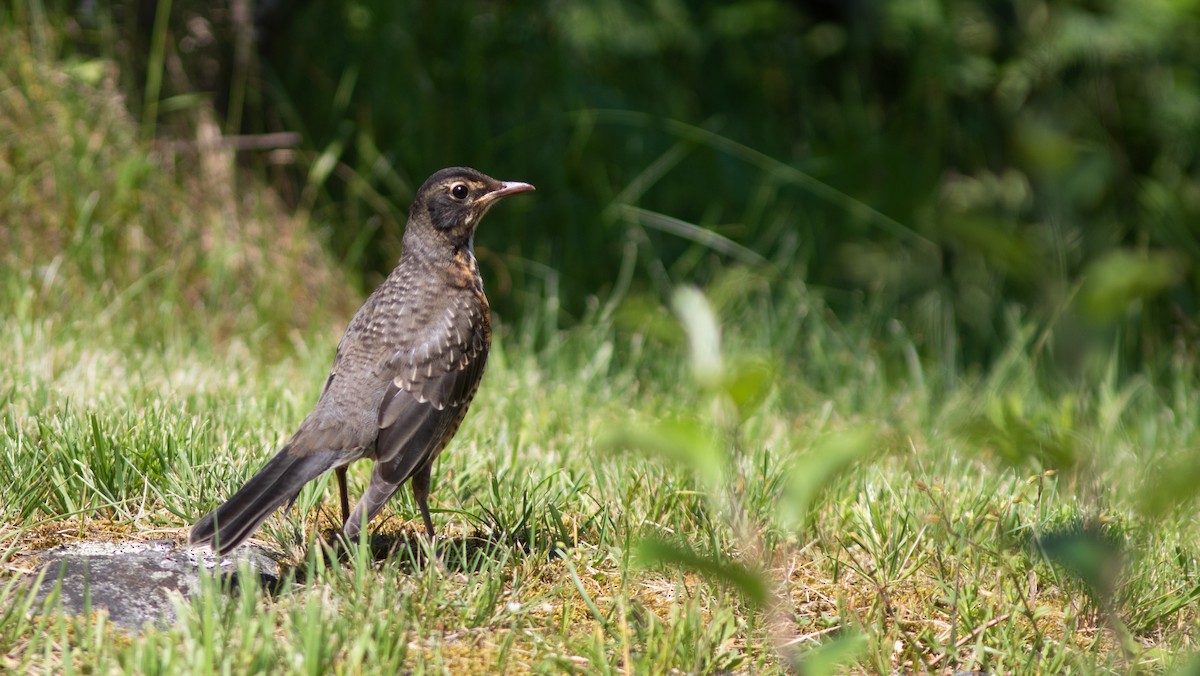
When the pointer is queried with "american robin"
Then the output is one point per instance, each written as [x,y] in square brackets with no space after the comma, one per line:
[404,374]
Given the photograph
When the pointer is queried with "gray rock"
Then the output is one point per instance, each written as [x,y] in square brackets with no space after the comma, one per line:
[134,581]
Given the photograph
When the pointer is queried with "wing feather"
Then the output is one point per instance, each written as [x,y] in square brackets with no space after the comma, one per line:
[432,385]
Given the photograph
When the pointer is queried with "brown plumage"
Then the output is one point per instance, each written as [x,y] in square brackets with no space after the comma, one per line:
[404,374]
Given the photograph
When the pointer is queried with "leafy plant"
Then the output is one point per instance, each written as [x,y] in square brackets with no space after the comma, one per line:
[709,445]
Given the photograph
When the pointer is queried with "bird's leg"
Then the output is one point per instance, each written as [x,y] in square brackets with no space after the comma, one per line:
[420,488]
[340,473]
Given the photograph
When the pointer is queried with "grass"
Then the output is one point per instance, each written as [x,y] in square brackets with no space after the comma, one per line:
[870,511]
[927,550]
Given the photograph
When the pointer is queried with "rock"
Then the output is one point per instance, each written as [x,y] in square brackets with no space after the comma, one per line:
[134,581]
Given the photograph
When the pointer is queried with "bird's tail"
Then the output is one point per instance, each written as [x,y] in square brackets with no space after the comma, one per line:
[278,482]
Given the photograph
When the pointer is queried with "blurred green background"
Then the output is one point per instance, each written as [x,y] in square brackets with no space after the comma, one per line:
[958,165]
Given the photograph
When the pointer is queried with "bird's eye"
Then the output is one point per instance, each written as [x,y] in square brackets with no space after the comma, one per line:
[459,191]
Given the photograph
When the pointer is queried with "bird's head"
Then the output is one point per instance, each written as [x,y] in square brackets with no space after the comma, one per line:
[454,200]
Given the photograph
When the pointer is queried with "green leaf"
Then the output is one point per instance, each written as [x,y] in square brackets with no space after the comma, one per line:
[1088,553]
[646,316]
[1044,436]
[90,71]
[1176,483]
[684,441]
[703,332]
[748,383]
[1122,277]
[751,584]
[994,239]
[810,474]
[1190,667]
[830,656]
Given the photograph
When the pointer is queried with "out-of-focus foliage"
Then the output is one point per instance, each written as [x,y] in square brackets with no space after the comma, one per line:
[99,229]
[710,446]
[949,158]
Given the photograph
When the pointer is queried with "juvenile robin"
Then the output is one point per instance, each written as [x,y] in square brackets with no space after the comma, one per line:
[403,376]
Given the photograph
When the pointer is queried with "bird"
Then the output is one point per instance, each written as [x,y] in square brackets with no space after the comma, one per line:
[403,376]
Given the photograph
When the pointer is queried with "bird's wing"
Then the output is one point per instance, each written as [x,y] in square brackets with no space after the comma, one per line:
[431,384]
[343,418]
[415,424]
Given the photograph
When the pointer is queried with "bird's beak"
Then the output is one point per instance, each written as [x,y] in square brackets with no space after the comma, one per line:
[506,188]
